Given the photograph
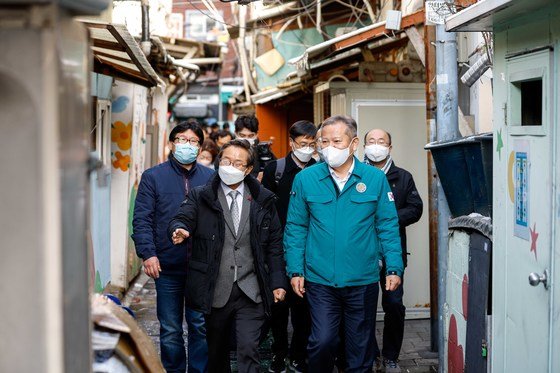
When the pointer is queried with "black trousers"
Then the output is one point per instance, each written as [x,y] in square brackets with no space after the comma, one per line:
[301,323]
[395,312]
[249,318]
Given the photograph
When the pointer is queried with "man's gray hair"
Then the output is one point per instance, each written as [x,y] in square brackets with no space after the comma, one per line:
[349,122]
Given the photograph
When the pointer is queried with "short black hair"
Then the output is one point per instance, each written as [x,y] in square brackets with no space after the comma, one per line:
[190,124]
[388,135]
[302,128]
[349,122]
[221,133]
[240,144]
[247,121]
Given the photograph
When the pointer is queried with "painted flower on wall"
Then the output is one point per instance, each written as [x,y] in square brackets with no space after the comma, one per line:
[121,161]
[122,134]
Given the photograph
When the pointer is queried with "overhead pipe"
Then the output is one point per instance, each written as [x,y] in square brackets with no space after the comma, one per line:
[145,43]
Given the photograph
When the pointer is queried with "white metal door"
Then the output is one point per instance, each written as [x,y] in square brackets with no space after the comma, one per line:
[526,244]
[402,112]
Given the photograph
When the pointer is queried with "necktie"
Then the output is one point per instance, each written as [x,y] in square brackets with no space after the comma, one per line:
[234,209]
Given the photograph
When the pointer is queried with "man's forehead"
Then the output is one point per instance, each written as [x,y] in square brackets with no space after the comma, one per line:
[377,134]
[235,152]
[187,133]
[337,129]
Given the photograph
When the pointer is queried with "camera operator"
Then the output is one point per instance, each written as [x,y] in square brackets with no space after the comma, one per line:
[247,128]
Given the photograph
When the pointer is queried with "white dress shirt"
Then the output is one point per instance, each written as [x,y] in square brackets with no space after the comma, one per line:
[240,189]
[342,182]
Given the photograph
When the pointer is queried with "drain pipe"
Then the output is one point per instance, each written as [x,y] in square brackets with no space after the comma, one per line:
[447,129]
[145,43]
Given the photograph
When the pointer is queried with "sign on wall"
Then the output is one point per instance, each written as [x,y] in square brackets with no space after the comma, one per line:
[521,195]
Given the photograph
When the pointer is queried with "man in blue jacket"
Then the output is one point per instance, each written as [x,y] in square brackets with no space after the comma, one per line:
[161,191]
[341,217]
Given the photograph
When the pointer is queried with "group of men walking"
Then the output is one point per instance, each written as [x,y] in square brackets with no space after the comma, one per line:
[316,239]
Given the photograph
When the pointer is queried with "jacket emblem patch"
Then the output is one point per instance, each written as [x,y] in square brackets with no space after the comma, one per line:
[361,187]
[390,196]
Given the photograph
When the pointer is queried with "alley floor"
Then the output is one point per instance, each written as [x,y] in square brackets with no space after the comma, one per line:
[416,356]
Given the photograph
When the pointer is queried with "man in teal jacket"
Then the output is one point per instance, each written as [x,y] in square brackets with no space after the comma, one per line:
[341,221]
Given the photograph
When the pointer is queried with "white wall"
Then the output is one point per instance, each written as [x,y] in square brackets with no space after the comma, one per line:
[481,91]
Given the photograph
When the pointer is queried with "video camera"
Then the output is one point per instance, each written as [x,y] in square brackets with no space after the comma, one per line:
[264,154]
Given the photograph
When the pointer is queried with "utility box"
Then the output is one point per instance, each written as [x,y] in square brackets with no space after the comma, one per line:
[464,168]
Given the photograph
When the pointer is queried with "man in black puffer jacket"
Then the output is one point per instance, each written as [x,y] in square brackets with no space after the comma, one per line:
[409,210]
[236,269]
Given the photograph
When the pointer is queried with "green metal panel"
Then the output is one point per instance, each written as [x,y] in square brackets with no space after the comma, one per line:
[523,330]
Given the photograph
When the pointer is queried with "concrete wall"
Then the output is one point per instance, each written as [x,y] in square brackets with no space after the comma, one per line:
[129,116]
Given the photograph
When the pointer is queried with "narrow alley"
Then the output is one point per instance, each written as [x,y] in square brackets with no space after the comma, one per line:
[416,356]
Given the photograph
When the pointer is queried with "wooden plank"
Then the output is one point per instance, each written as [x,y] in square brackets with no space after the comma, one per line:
[108,45]
[407,21]
[120,72]
[109,55]
[417,41]
[124,38]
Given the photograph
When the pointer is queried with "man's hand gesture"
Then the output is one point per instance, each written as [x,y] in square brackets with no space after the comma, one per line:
[152,267]
[179,236]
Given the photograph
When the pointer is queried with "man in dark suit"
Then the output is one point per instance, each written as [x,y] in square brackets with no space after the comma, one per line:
[278,178]
[236,270]
[378,145]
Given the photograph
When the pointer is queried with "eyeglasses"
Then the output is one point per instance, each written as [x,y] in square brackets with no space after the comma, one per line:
[184,140]
[237,164]
[304,144]
[378,142]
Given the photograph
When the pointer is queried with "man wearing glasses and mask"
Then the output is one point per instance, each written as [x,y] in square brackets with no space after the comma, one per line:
[161,191]
[341,221]
[237,269]
[278,178]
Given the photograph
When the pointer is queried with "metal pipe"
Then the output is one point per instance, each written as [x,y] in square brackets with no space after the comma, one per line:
[430,62]
[447,124]
[145,40]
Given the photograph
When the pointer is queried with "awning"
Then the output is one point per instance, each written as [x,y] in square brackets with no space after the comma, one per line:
[486,14]
[117,54]
[353,39]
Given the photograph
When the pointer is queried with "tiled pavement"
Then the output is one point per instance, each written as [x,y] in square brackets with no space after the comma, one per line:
[416,356]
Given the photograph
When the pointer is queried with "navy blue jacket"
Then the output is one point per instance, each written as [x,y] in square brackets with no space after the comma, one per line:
[161,191]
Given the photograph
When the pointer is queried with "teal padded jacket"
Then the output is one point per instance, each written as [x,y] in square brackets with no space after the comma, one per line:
[336,238]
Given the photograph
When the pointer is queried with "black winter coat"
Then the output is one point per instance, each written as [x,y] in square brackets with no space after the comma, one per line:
[407,201]
[202,216]
[283,188]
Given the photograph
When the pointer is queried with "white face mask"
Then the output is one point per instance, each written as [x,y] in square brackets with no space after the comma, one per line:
[377,153]
[251,142]
[335,157]
[230,175]
[304,154]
